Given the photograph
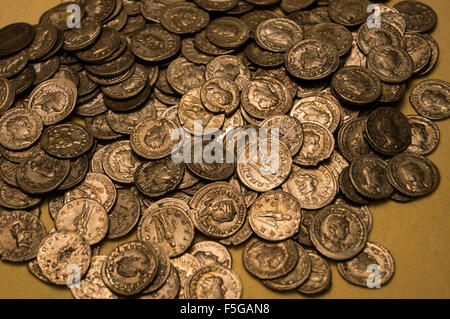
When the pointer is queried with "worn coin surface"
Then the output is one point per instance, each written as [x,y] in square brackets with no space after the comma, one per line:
[338,233]
[318,143]
[278,34]
[419,49]
[79,39]
[333,33]
[21,233]
[289,129]
[15,37]
[270,260]
[419,16]
[60,249]
[183,18]
[98,126]
[431,98]
[183,75]
[211,253]
[214,282]
[356,270]
[275,215]
[425,135]
[14,198]
[220,95]
[129,88]
[77,172]
[390,64]
[169,289]
[20,128]
[187,265]
[348,12]
[349,191]
[129,268]
[124,215]
[320,278]
[370,38]
[351,140]
[228,66]
[163,272]
[7,95]
[119,162]
[228,32]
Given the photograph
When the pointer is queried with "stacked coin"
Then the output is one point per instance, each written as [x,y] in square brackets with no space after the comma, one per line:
[158,82]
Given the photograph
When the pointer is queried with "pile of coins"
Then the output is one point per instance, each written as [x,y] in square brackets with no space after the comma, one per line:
[323,72]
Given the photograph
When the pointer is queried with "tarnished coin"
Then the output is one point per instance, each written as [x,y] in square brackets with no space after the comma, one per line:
[129,88]
[388,131]
[282,75]
[431,98]
[192,54]
[183,75]
[368,175]
[41,173]
[130,104]
[183,18]
[211,253]
[195,118]
[333,33]
[219,209]
[20,233]
[24,80]
[419,16]
[16,37]
[262,175]
[434,46]
[391,92]
[320,277]
[125,123]
[289,128]
[349,190]
[129,268]
[151,9]
[85,216]
[154,43]
[124,215]
[44,40]
[278,34]
[312,59]
[302,237]
[419,50]
[348,12]
[100,11]
[186,265]
[79,39]
[308,18]
[66,140]
[169,289]
[275,215]
[99,127]
[94,107]
[296,277]
[77,172]
[14,198]
[92,285]
[7,95]
[263,57]
[270,260]
[318,143]
[60,249]
[425,135]
[255,17]
[357,270]
[356,85]
[412,174]
[338,233]
[228,66]
[97,187]
[35,270]
[214,282]
[159,177]
[336,163]
[390,64]
[8,171]
[264,97]
[53,100]
[119,162]
[371,38]
[351,140]
[103,48]
[114,71]
[318,109]
[202,44]
[216,5]
[20,128]
[45,70]
[289,6]
[169,227]
[228,32]
[314,188]
[220,95]
[362,211]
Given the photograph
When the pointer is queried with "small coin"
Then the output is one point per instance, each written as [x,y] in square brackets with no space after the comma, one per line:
[255,17]
[431,98]
[211,253]
[183,18]
[333,33]
[278,34]
[129,268]
[425,135]
[228,32]
[388,131]
[419,16]
[186,265]
[79,39]
[318,143]
[290,130]
[124,215]
[338,233]
[214,282]
[419,50]
[130,104]
[24,80]
[434,54]
[116,69]
[391,92]
[16,37]
[184,76]
[105,46]
[21,234]
[220,95]
[77,172]
[412,174]
[390,64]
[357,270]
[14,198]
[348,12]
[119,162]
[308,18]
[270,260]
[98,126]
[8,171]
[192,54]
[97,187]
[302,237]
[170,288]
[125,123]
[352,142]
[219,208]
[336,163]
[228,66]
[262,57]
[86,216]
[320,278]
[370,38]
[202,44]
[275,215]
[20,128]
[60,249]
[349,190]
[45,70]
[94,107]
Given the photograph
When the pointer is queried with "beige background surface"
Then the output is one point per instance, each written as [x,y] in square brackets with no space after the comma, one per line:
[417,233]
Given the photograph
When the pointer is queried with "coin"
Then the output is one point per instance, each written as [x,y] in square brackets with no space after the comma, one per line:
[290,130]
[425,135]
[262,57]
[333,33]
[278,34]
[192,54]
[338,233]
[308,18]
[79,39]
[98,126]
[412,174]
[21,234]
[129,268]
[183,18]
[7,95]
[130,104]
[369,177]
[320,278]
[100,11]
[113,72]
[14,198]
[391,92]
[219,209]
[24,80]
[434,46]
[36,271]
[97,187]
[388,131]
[370,38]
[214,282]
[349,190]
[390,64]
[184,76]
[16,37]
[228,66]
[419,16]
[60,249]
[419,50]
[255,17]
[186,265]
[119,162]
[45,70]
[216,5]
[358,270]
[228,32]
[211,253]
[318,143]
[77,172]
[124,215]
[220,95]
[362,211]
[20,128]
[302,237]
[170,288]
[311,59]
[351,140]
[158,177]
[348,12]
[270,260]
[8,171]
[430,98]
[202,44]
[103,48]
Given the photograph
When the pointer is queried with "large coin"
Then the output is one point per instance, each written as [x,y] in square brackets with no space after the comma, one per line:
[390,64]
[419,16]
[425,135]
[228,32]
[119,162]
[20,128]
[431,98]
[15,37]
[318,143]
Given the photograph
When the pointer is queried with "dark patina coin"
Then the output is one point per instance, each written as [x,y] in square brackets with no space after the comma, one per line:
[78,170]
[228,32]
[391,92]
[45,39]
[45,70]
[13,65]
[79,39]
[333,33]
[348,12]
[7,95]
[103,48]
[129,88]
[66,141]
[349,190]
[202,44]
[388,131]
[183,18]
[99,127]
[15,37]
[419,16]
[14,198]
[390,64]
[431,98]
[24,80]
[352,143]
[262,57]
[124,215]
